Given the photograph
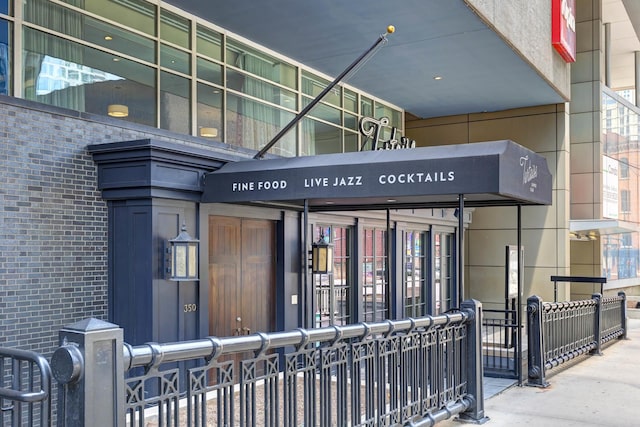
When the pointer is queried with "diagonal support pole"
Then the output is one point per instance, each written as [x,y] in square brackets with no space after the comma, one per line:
[305,110]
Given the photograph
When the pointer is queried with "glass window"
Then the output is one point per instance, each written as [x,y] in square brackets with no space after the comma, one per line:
[375,288]
[320,138]
[257,88]
[136,14]
[175,59]
[175,29]
[5,57]
[395,117]
[174,103]
[209,71]
[5,7]
[66,74]
[351,121]
[625,201]
[252,124]
[366,107]
[350,142]
[75,24]
[210,118]
[260,64]
[624,167]
[415,283]
[334,291]
[350,101]
[324,112]
[313,85]
[208,43]
[442,272]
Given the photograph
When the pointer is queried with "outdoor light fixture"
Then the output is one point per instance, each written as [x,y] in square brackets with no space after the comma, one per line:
[209,132]
[118,110]
[321,257]
[182,257]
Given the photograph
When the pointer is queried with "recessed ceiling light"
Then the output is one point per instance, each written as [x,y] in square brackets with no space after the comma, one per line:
[108,38]
[391,200]
[329,202]
[437,78]
[116,59]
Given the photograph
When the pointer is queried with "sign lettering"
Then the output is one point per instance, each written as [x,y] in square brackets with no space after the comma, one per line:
[563,28]
[372,130]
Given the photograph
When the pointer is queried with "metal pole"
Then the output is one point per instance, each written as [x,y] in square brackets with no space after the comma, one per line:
[519,297]
[637,74]
[305,274]
[460,251]
[301,114]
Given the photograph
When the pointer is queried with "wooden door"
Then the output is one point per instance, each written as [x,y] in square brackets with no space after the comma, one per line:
[241,276]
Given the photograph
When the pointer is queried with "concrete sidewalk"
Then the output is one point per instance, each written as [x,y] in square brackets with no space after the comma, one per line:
[597,391]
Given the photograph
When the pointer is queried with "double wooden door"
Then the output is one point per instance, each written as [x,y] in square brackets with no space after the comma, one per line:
[241,276]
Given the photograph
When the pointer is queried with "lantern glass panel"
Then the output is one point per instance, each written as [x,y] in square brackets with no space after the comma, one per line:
[180,261]
[192,260]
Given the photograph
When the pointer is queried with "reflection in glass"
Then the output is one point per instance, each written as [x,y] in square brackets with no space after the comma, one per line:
[174,103]
[333,291]
[320,138]
[414,277]
[65,74]
[209,114]
[375,289]
[5,57]
[252,124]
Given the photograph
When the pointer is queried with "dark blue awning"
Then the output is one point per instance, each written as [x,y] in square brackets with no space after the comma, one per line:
[497,173]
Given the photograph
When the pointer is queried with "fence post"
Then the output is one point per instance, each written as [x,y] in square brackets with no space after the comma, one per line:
[597,327]
[475,412]
[623,320]
[535,339]
[88,365]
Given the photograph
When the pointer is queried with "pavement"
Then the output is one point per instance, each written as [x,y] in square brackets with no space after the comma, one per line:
[599,390]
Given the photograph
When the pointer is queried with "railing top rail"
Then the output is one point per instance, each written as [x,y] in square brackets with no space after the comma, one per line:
[153,354]
[579,279]
[568,305]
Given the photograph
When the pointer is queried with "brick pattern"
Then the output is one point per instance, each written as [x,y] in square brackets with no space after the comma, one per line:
[53,237]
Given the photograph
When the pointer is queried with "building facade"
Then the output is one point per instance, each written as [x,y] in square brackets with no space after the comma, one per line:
[114,112]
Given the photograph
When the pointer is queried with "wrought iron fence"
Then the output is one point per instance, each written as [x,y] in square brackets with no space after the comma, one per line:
[501,355]
[405,372]
[25,390]
[561,331]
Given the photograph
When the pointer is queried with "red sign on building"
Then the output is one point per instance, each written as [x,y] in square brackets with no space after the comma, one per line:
[563,28]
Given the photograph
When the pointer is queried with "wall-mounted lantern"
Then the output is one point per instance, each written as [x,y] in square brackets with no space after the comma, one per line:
[321,257]
[182,257]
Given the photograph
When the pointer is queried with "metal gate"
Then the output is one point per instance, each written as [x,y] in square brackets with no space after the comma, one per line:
[25,390]
[501,353]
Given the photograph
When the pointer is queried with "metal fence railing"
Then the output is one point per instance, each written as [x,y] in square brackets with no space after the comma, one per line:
[402,372]
[561,331]
[25,388]
[501,355]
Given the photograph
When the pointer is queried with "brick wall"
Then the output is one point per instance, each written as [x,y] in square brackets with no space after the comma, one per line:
[53,236]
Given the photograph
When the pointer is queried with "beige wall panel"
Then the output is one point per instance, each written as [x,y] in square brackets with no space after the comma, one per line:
[439,135]
[561,172]
[582,127]
[582,97]
[487,247]
[495,218]
[582,158]
[582,190]
[539,283]
[583,210]
[540,247]
[535,132]
[486,284]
